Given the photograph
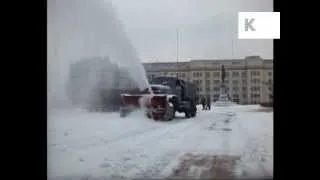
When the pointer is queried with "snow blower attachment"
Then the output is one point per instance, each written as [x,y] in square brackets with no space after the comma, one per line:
[156,106]
[169,95]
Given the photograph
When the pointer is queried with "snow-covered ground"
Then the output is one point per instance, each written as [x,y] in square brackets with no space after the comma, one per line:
[82,144]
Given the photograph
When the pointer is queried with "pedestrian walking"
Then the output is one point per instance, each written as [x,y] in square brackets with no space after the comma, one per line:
[208,103]
[203,102]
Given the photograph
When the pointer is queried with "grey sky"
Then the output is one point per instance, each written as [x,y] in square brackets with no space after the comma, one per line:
[207,28]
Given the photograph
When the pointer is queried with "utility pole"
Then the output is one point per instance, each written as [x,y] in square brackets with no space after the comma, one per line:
[177,50]
[232,50]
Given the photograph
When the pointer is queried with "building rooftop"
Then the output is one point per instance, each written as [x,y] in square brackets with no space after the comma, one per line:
[197,63]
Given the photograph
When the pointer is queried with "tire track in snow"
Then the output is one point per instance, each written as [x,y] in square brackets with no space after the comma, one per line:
[162,161]
[120,149]
[251,154]
[149,135]
[104,142]
[159,160]
[98,139]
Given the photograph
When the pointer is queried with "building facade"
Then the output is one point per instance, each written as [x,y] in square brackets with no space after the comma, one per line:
[248,81]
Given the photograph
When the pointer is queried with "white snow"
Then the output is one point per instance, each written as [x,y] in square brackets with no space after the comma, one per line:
[104,145]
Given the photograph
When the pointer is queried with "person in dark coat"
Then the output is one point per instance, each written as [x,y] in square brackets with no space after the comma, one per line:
[208,103]
[203,102]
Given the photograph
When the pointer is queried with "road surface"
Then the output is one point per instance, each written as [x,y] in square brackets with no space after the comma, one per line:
[225,142]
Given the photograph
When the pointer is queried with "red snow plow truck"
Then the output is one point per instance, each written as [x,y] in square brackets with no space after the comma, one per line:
[169,95]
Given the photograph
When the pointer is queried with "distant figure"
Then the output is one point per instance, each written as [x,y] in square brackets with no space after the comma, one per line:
[203,102]
[223,74]
[208,104]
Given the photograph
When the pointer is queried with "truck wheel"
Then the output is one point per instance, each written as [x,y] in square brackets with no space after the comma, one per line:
[193,114]
[172,114]
[168,116]
[123,113]
[149,116]
[187,114]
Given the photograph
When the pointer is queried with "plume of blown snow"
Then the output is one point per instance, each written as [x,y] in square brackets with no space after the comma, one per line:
[80,29]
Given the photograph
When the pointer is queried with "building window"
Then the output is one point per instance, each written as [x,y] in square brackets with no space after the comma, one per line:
[235,96]
[255,88]
[270,73]
[235,74]
[200,81]
[256,96]
[216,74]
[207,74]
[255,73]
[235,82]
[244,88]
[227,74]
[235,88]
[244,82]
[216,89]
[244,95]
[244,74]
[226,81]
[183,75]
[255,81]
[207,82]
[207,89]
[270,96]
[216,81]
[197,74]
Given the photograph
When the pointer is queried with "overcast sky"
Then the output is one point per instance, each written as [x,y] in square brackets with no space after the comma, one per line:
[208,28]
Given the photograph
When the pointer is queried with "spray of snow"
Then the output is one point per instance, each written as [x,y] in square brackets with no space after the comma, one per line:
[80,29]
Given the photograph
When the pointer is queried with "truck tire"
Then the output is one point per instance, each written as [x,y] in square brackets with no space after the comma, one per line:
[187,114]
[169,114]
[124,112]
[193,113]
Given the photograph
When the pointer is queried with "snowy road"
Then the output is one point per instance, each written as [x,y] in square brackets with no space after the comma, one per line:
[82,144]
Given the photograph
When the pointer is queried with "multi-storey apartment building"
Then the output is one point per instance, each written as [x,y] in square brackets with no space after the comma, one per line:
[248,81]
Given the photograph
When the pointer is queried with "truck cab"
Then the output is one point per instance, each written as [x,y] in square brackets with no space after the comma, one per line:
[182,94]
